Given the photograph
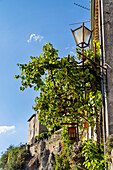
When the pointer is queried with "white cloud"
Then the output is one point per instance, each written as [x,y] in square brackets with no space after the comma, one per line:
[67,48]
[35,38]
[4,129]
[73,47]
[71,52]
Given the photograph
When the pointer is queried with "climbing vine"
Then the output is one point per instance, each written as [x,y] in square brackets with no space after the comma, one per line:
[62,159]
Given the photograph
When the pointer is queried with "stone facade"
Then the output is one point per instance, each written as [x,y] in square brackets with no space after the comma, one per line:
[35,128]
[105,21]
[107,28]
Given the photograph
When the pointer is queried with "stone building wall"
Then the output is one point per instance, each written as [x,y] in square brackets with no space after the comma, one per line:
[106,14]
[32,130]
[35,128]
[107,25]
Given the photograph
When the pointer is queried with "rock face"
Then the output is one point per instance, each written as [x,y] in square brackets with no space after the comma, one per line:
[43,154]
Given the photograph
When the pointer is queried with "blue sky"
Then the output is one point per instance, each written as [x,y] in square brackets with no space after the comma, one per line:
[25,26]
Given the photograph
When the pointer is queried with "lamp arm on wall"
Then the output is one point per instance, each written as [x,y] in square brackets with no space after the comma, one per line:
[92,61]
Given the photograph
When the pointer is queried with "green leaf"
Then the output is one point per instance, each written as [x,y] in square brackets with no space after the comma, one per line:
[22,88]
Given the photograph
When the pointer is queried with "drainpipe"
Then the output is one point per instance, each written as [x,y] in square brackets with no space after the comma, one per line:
[102,72]
[106,106]
[104,78]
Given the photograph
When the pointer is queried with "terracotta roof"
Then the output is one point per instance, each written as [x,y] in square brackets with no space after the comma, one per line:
[31,117]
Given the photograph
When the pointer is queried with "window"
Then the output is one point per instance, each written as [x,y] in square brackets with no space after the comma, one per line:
[36,129]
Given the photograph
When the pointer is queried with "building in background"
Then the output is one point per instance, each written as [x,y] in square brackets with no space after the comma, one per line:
[35,128]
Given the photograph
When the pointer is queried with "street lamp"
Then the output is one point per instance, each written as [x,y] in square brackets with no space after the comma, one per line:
[82,36]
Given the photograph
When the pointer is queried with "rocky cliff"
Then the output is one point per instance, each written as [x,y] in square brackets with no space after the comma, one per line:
[43,154]
[38,156]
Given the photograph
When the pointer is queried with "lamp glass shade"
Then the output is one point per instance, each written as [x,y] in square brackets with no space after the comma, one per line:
[78,35]
[82,36]
[87,35]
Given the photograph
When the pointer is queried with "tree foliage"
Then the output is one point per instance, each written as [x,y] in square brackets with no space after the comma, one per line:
[14,158]
[69,90]
[94,156]
[70,87]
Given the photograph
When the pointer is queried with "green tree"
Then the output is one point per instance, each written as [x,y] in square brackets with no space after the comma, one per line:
[70,91]
[14,158]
